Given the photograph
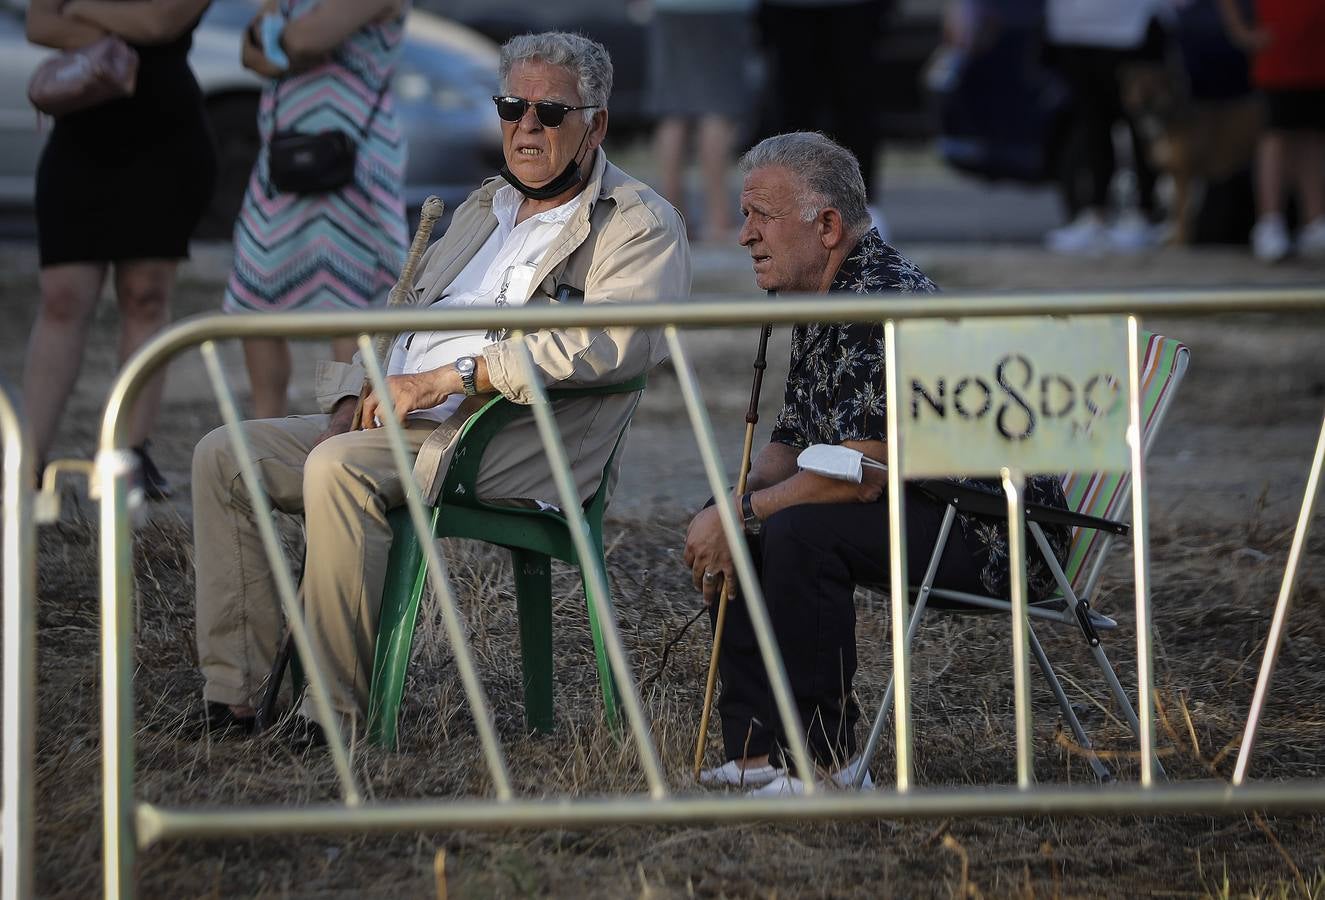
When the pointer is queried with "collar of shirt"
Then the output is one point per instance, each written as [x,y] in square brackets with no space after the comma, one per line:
[506,206]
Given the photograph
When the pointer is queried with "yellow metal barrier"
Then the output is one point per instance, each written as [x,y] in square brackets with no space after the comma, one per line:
[130,825]
[20,666]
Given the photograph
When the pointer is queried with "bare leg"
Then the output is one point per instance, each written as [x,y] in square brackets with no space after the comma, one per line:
[1270,174]
[268,362]
[1308,164]
[142,288]
[669,144]
[55,349]
[343,348]
[716,136]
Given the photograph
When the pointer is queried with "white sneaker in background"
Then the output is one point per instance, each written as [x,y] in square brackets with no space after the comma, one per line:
[1311,239]
[1132,233]
[1086,234]
[843,779]
[878,221]
[1269,239]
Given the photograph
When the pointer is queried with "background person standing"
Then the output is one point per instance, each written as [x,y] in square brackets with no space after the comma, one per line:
[120,186]
[700,52]
[1288,44]
[821,62]
[342,249]
[1089,41]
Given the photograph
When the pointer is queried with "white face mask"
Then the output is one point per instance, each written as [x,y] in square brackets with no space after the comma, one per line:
[836,461]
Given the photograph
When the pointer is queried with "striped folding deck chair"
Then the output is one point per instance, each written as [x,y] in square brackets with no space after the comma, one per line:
[1097,503]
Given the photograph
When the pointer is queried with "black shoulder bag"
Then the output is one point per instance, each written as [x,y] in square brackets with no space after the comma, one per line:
[302,163]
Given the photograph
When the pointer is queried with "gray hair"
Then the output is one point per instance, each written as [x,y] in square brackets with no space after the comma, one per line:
[586,59]
[828,172]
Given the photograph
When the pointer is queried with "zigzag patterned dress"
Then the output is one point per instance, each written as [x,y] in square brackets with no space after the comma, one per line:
[343,249]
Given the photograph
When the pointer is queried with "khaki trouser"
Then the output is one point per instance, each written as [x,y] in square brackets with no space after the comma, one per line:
[343,488]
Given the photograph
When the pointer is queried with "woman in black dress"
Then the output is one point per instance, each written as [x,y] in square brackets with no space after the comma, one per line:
[120,187]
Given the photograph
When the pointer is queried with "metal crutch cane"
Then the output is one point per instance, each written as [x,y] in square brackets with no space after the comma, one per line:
[751,419]
[400,295]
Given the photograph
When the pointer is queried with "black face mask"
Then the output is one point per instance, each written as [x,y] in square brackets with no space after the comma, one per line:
[569,177]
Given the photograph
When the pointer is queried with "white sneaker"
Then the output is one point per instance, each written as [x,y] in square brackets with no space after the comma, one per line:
[1311,239]
[1086,234]
[843,779]
[1269,239]
[730,774]
[1131,233]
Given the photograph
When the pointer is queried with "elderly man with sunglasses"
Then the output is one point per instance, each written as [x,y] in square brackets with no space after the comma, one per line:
[560,224]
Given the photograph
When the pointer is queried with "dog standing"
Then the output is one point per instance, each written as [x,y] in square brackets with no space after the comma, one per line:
[1194,141]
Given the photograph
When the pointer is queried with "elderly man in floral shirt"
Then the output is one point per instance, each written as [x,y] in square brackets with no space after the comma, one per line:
[814,539]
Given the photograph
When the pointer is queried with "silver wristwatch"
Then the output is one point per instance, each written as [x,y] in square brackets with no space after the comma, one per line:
[466,367]
[752,522]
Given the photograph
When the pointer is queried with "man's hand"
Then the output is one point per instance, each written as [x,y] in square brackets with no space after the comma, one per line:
[342,416]
[411,393]
[707,554]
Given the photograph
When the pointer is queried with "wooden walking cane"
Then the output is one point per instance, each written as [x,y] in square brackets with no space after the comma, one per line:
[751,420]
[431,211]
[401,294]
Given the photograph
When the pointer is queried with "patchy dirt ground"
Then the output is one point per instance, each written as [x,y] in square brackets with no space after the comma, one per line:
[1226,481]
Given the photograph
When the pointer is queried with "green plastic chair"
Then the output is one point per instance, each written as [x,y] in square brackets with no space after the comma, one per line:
[534,537]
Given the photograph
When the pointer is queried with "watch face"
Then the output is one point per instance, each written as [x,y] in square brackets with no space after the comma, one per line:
[464,365]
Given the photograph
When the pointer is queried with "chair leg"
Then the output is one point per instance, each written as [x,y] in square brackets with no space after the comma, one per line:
[1064,704]
[611,707]
[1115,687]
[407,574]
[533,594]
[922,597]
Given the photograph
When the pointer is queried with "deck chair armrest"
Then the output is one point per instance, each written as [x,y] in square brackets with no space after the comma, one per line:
[975,502]
[496,414]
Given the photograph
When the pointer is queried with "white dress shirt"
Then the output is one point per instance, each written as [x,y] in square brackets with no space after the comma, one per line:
[500,274]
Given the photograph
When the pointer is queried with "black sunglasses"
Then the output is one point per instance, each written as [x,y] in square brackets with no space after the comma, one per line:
[549,112]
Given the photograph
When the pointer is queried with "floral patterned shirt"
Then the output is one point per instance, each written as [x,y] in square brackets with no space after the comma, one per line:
[835,393]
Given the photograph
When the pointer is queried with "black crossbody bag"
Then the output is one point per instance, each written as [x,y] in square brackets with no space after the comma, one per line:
[303,163]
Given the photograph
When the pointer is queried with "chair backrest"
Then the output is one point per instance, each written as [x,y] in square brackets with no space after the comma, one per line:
[1106,494]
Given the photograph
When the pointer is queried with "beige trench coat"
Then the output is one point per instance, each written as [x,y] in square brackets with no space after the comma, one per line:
[625,245]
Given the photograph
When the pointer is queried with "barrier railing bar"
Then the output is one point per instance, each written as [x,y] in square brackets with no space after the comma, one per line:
[20,648]
[114,469]
[898,587]
[757,610]
[114,466]
[573,509]
[280,567]
[1013,484]
[1276,636]
[1145,676]
[706,312]
[159,823]
[439,578]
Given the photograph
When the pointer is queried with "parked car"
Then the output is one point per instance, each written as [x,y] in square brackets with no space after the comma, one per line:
[443,88]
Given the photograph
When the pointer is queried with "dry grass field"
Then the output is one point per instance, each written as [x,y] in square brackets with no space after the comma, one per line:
[1226,482]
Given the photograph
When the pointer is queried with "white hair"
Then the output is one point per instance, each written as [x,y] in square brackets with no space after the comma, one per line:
[588,60]
[828,173]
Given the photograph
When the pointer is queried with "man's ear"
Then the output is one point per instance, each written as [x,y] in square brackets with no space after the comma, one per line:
[597,130]
[832,230]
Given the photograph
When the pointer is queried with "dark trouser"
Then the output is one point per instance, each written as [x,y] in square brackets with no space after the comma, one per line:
[1092,73]
[822,67]
[810,559]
